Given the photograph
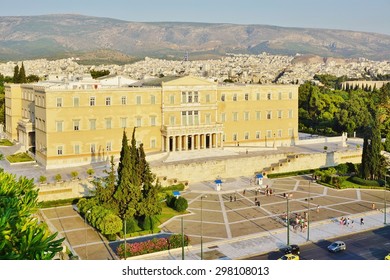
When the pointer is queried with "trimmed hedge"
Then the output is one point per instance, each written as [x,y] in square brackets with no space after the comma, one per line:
[360,181]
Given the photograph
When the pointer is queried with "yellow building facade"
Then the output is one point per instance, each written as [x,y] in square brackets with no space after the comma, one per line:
[69,127]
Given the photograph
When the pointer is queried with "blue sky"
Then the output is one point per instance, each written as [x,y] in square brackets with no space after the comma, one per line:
[358,15]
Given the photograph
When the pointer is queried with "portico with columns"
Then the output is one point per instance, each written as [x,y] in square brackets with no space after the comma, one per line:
[194,138]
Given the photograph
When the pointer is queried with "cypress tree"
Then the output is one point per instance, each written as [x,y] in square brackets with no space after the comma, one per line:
[150,204]
[127,194]
[22,75]
[15,78]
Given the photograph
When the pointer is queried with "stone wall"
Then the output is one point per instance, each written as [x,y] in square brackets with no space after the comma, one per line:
[209,170]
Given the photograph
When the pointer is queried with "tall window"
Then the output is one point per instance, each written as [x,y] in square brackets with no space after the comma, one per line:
[172,99]
[76,101]
[207,98]
[280,114]
[290,95]
[92,148]
[269,115]
[152,143]
[246,97]
[76,124]
[290,113]
[235,137]
[183,118]
[235,116]
[291,132]
[258,115]
[172,120]
[59,101]
[92,101]
[223,97]
[269,96]
[258,96]
[138,100]
[152,99]
[223,117]
[108,101]
[108,123]
[60,150]
[139,122]
[153,120]
[123,122]
[108,146]
[279,133]
[246,116]
[246,136]
[280,96]
[196,97]
[208,119]
[92,124]
[235,97]
[77,149]
[196,117]
[258,135]
[59,125]
[190,118]
[123,100]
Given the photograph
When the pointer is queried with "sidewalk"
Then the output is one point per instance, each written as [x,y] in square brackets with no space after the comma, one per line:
[257,244]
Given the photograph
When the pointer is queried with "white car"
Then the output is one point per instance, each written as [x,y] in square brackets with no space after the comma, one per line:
[337,246]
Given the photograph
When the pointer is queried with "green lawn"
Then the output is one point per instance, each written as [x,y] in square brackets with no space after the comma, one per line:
[5,142]
[20,157]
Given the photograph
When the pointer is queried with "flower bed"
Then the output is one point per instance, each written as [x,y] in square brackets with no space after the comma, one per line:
[151,246]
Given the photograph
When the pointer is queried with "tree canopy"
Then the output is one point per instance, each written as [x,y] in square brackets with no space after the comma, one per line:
[22,235]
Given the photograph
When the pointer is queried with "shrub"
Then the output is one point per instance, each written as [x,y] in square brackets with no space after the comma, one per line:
[74,174]
[42,179]
[58,177]
[131,225]
[90,171]
[170,200]
[175,241]
[148,223]
[181,204]
[360,181]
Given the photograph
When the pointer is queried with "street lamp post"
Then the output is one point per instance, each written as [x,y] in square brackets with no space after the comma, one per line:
[201,226]
[86,229]
[288,220]
[308,215]
[125,241]
[384,217]
[182,238]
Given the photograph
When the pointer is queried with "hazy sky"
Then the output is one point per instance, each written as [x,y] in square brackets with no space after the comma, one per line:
[355,15]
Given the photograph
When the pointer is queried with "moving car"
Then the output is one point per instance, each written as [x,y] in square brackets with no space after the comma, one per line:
[337,246]
[387,257]
[292,249]
[289,257]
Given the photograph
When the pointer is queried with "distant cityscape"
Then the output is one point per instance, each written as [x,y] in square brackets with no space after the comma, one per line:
[264,68]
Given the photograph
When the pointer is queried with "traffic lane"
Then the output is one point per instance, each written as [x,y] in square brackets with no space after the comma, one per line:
[369,245]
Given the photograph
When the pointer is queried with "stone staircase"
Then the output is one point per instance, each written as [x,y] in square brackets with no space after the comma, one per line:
[278,167]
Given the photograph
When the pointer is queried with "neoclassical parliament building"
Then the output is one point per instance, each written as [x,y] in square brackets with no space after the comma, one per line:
[76,124]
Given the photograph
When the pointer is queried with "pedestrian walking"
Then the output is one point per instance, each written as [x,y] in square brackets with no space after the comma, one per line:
[231,198]
[318,208]
[361,221]
[243,192]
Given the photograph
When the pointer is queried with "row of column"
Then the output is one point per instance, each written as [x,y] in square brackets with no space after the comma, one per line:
[192,142]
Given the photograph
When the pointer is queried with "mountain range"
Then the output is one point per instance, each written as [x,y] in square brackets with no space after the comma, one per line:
[111,40]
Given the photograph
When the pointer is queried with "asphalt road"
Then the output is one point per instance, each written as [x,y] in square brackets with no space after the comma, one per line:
[369,245]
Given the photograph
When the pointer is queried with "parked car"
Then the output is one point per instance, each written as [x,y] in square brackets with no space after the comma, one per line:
[292,249]
[337,246]
[289,257]
[387,257]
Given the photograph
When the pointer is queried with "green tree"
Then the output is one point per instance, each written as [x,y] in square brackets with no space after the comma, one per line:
[16,76]
[127,194]
[150,204]
[22,237]
[105,188]
[22,75]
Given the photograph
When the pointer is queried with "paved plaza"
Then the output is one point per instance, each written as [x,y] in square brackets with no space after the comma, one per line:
[240,223]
